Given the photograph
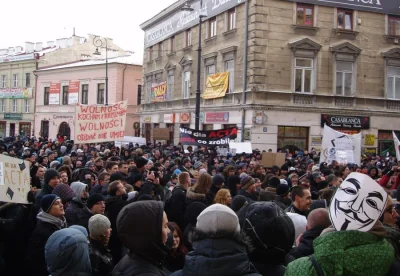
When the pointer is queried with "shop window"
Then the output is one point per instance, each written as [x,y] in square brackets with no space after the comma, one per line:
[230,125]
[3,129]
[293,138]
[385,142]
[305,15]
[304,75]
[345,20]
[393,83]
[85,93]
[139,95]
[25,129]
[46,96]
[394,25]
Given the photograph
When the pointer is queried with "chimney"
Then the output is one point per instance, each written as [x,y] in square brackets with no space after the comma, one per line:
[11,50]
[18,49]
[3,52]
[62,43]
[50,44]
[29,47]
[76,40]
[70,42]
[39,46]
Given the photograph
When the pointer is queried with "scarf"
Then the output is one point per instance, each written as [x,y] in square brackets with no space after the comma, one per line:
[45,217]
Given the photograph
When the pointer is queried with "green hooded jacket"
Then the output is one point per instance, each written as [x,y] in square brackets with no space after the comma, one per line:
[347,253]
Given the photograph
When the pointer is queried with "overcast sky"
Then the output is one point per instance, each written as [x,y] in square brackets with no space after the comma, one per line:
[47,20]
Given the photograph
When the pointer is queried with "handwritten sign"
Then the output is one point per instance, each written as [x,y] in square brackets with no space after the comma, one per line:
[96,124]
[14,179]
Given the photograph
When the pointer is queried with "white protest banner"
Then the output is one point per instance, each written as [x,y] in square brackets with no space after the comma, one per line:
[396,146]
[15,179]
[240,147]
[341,147]
[96,124]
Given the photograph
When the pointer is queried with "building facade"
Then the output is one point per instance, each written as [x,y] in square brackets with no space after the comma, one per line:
[18,82]
[304,64]
[60,88]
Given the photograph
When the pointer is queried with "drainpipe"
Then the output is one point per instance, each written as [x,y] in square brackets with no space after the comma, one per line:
[246,50]
[123,87]
[34,104]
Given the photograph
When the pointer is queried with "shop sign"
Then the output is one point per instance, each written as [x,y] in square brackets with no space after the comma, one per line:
[169,118]
[316,141]
[185,118]
[345,122]
[369,140]
[17,58]
[62,117]
[147,119]
[217,117]
[377,6]
[15,93]
[370,150]
[183,20]
[13,116]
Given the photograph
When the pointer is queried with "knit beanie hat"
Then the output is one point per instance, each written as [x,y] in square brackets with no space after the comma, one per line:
[49,174]
[98,225]
[141,162]
[282,189]
[64,192]
[47,202]
[202,171]
[238,202]
[217,218]
[273,182]
[218,180]
[197,165]
[93,199]
[246,181]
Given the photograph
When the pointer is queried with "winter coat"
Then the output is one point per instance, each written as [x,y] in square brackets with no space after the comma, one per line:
[217,255]
[175,206]
[83,219]
[305,247]
[347,253]
[146,251]
[75,213]
[35,255]
[100,259]
[113,206]
[193,196]
[67,253]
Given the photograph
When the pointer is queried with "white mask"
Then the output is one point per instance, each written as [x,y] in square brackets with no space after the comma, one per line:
[357,204]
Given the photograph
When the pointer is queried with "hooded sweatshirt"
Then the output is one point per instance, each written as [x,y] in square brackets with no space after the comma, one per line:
[76,210]
[67,253]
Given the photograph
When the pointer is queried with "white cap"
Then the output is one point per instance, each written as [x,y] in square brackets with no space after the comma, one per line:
[315,168]
[216,218]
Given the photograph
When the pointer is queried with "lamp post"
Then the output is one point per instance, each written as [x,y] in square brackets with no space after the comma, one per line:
[187,7]
[99,42]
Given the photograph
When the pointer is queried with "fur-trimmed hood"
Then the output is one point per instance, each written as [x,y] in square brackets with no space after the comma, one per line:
[191,194]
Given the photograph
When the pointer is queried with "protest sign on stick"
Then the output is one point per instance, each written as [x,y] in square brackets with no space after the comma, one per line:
[14,179]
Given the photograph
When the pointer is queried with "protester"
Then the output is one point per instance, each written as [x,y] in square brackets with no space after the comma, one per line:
[176,258]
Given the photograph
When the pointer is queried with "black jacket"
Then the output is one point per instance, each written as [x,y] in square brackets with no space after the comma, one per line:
[175,206]
[305,247]
[100,259]
[75,212]
[113,206]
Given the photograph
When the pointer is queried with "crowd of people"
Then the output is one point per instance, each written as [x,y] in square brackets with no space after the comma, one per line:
[164,210]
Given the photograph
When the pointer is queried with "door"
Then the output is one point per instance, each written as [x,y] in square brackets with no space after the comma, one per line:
[148,132]
[44,132]
[25,129]
[64,130]
[12,129]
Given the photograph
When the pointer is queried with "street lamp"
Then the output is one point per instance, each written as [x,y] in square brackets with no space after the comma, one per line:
[187,8]
[99,42]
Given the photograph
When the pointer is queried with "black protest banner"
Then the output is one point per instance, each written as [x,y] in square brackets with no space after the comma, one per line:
[220,137]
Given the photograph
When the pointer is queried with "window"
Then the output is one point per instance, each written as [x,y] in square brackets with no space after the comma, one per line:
[148,89]
[28,80]
[14,105]
[15,80]
[3,81]
[394,26]
[212,27]
[44,129]
[2,129]
[3,105]
[172,45]
[231,19]
[345,20]
[151,53]
[46,96]
[188,38]
[26,105]
[305,15]
[65,95]
[344,78]
[210,70]
[139,94]
[186,85]
[85,93]
[170,85]
[303,73]
[160,49]
[393,83]
[100,93]
[293,136]
[25,129]
[230,67]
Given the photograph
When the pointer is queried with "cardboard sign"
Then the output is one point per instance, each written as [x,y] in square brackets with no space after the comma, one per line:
[15,179]
[270,159]
[96,124]
[161,134]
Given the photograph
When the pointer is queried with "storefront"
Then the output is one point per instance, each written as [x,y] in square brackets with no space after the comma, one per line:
[17,125]
[385,142]
[293,138]
[346,124]
[52,125]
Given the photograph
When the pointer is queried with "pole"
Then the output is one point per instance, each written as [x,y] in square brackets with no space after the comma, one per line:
[197,111]
[106,72]
[246,37]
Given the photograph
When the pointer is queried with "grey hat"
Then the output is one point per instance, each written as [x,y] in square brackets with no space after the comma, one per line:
[197,165]
[98,225]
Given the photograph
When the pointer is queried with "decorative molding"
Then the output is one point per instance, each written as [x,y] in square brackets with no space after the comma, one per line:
[304,27]
[170,66]
[346,48]
[229,32]
[393,53]
[210,55]
[185,61]
[210,39]
[348,32]
[305,44]
[228,49]
[188,48]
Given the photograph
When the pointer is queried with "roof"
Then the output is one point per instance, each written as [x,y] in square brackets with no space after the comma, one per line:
[165,12]
[131,60]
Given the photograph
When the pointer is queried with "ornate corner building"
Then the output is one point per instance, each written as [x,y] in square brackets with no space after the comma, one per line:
[303,64]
